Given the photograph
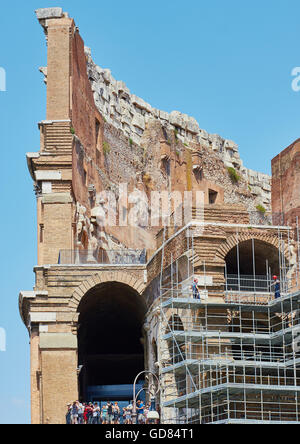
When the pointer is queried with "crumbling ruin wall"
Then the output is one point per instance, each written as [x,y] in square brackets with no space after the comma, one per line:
[83,153]
[120,139]
[285,183]
[131,114]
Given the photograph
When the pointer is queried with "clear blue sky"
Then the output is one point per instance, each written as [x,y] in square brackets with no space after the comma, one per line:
[227,63]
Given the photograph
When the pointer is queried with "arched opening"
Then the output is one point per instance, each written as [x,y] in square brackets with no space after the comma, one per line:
[250,266]
[177,348]
[154,351]
[110,342]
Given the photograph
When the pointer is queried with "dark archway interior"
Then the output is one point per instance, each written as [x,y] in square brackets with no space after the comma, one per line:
[254,274]
[110,336]
[263,252]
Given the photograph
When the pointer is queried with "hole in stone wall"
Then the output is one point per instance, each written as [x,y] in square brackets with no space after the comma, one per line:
[212,196]
[97,130]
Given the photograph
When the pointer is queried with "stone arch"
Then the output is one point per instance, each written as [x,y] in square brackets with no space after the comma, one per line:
[111,342]
[102,278]
[175,324]
[232,242]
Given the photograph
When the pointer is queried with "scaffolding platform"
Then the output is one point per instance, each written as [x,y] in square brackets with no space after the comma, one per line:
[230,355]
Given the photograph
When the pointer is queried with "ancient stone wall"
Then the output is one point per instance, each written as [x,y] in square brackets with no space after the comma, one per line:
[97,137]
[286,183]
[131,114]
[117,138]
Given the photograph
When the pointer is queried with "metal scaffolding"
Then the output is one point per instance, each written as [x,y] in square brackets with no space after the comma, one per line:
[233,355]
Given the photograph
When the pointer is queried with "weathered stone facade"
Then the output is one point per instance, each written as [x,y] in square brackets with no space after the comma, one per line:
[131,114]
[97,136]
[285,183]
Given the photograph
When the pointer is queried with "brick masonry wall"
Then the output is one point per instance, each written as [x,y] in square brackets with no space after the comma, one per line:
[60,386]
[34,377]
[58,234]
[286,183]
[59,69]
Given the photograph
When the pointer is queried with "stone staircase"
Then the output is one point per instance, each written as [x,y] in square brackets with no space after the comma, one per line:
[58,138]
[234,214]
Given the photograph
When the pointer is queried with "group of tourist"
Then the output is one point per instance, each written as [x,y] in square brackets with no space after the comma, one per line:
[110,413]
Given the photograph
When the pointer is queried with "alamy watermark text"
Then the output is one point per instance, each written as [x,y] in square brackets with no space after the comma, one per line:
[2,79]
[2,340]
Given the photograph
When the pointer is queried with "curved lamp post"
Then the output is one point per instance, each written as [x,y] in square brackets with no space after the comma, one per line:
[134,415]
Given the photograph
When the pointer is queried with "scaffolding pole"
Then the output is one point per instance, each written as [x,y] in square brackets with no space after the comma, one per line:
[230,361]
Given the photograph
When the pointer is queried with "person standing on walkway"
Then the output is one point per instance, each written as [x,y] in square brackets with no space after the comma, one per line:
[116,414]
[277,287]
[104,414]
[146,412]
[140,410]
[69,415]
[196,294]
[80,413]
[110,416]
[75,410]
[90,413]
[96,414]
[85,414]
[128,416]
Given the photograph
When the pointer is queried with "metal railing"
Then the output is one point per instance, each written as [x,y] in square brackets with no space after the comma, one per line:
[102,257]
[249,283]
[252,291]
[259,356]
[218,378]
[252,298]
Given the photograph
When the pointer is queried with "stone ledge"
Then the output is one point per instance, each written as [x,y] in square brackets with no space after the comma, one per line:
[48,175]
[32,294]
[57,198]
[37,317]
[32,155]
[56,341]
[49,13]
